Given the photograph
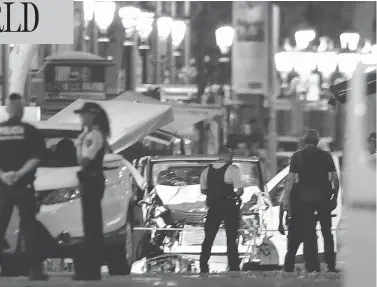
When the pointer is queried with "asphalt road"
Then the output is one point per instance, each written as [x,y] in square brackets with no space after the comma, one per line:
[252,279]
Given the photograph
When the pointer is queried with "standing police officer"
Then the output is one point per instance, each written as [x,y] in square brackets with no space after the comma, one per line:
[317,183]
[219,181]
[91,146]
[22,148]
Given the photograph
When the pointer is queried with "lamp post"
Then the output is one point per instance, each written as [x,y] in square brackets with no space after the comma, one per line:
[164,28]
[144,28]
[88,7]
[4,72]
[178,34]
[224,40]
[104,16]
[187,41]
[130,16]
[303,65]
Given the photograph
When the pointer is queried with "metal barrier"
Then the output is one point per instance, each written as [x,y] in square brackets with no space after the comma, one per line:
[183,229]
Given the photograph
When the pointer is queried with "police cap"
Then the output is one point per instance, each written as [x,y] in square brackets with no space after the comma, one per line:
[89,107]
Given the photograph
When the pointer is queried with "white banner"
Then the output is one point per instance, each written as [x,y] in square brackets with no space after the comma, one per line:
[19,64]
[36,22]
[249,51]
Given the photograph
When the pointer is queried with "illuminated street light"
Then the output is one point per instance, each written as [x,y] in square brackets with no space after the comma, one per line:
[164,27]
[178,32]
[304,62]
[349,40]
[104,16]
[88,10]
[224,38]
[144,25]
[130,16]
[327,63]
[367,56]
[367,47]
[347,62]
[373,49]
[303,38]
[284,61]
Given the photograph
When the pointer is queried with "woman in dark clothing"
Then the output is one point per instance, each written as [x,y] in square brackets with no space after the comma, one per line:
[91,147]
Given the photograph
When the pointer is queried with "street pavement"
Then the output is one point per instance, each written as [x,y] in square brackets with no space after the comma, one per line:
[236,279]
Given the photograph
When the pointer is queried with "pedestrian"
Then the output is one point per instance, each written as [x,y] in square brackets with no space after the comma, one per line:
[221,182]
[22,148]
[317,185]
[91,146]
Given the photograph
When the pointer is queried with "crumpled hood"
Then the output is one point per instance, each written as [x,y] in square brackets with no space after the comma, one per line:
[56,177]
[189,198]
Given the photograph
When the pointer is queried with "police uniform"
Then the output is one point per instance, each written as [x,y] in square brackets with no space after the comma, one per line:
[220,179]
[19,143]
[91,147]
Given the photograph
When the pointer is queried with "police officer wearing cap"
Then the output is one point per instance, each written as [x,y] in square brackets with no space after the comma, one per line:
[313,173]
[22,148]
[91,146]
[221,182]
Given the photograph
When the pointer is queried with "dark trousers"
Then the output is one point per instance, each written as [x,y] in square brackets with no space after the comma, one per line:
[300,231]
[23,197]
[323,210]
[89,265]
[230,214]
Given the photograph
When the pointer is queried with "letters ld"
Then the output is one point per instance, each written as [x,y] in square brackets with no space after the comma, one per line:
[7,8]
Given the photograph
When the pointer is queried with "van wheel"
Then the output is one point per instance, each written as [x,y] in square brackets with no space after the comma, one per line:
[13,265]
[121,257]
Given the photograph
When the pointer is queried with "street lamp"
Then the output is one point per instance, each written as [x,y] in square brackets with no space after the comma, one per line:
[224,38]
[349,40]
[164,27]
[88,6]
[178,32]
[130,16]
[88,11]
[303,38]
[104,16]
[327,63]
[144,27]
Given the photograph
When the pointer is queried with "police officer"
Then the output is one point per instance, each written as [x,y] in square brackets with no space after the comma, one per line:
[317,182]
[91,146]
[221,182]
[22,148]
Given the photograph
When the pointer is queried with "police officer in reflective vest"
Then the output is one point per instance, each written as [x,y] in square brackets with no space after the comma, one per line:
[22,148]
[90,153]
[221,182]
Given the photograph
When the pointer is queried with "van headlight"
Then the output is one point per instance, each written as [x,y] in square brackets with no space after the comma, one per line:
[61,195]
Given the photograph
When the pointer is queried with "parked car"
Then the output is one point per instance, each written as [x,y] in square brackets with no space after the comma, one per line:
[174,210]
[60,230]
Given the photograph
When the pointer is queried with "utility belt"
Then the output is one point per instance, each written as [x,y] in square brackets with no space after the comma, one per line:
[231,200]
